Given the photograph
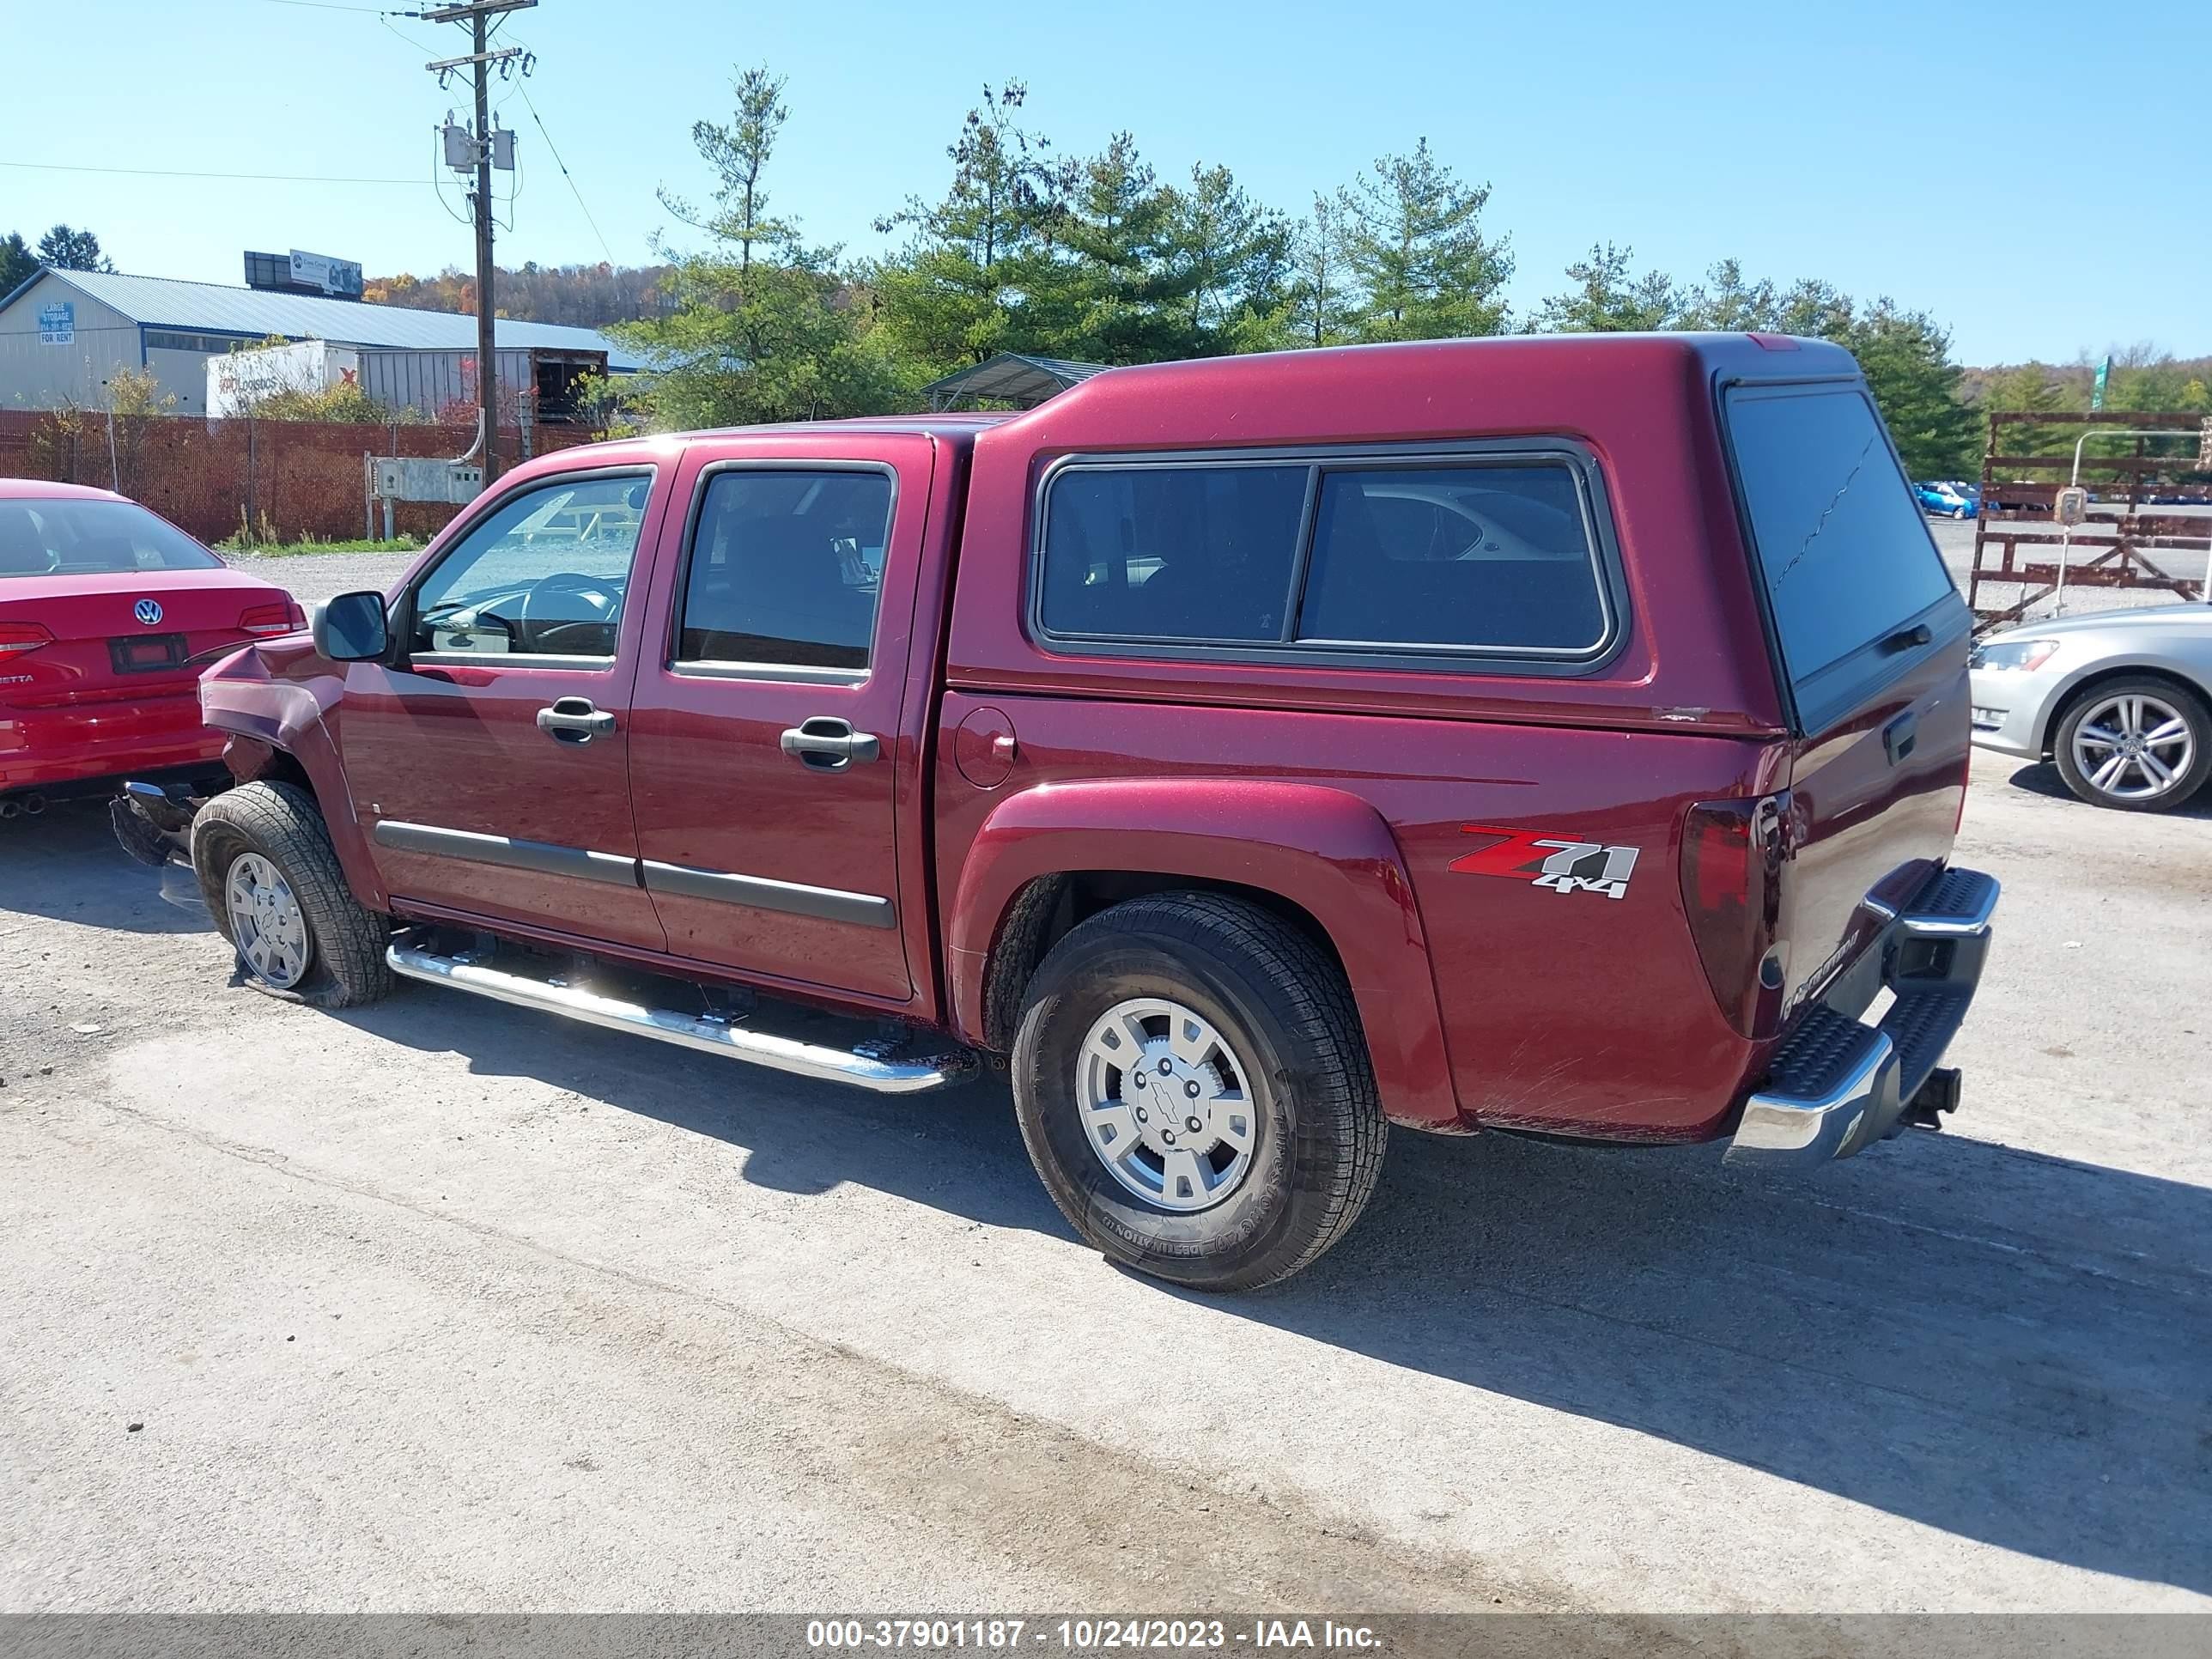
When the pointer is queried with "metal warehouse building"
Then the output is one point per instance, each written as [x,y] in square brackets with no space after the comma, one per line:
[63,333]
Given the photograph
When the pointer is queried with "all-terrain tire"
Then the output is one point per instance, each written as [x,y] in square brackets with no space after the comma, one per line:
[1283,1005]
[281,822]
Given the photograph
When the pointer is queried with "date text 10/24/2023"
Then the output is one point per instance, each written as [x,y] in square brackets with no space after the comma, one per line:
[1094,1635]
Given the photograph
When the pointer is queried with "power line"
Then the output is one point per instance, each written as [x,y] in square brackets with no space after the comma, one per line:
[173,172]
[553,150]
[333,5]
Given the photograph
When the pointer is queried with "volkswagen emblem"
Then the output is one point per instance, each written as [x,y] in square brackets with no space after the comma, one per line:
[148,612]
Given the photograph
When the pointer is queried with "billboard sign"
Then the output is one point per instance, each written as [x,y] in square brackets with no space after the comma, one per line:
[341,277]
[57,324]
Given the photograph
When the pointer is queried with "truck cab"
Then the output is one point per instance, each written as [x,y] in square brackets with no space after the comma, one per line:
[1560,735]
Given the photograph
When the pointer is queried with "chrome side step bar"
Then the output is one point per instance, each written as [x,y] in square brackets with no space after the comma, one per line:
[869,1067]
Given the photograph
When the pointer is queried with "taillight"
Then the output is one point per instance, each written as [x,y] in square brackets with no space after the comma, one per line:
[283,618]
[1732,857]
[17,637]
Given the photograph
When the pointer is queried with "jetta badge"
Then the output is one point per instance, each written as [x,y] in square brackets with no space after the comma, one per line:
[148,612]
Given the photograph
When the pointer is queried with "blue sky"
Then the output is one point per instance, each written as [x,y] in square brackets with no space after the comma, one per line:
[1836,140]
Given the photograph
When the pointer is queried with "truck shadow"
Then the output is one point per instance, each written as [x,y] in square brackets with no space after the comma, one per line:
[2001,1345]
[65,864]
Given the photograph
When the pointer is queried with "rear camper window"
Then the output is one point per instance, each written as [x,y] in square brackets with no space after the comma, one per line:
[1181,553]
[1844,553]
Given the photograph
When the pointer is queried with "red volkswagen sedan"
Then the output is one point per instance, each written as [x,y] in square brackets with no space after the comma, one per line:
[108,613]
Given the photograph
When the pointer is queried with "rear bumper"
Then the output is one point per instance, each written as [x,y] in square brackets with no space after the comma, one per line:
[1838,1083]
[43,749]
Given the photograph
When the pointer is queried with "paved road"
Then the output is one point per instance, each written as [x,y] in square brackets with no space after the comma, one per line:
[441,1304]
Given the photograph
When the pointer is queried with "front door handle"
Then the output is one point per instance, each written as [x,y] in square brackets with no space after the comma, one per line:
[829,745]
[573,720]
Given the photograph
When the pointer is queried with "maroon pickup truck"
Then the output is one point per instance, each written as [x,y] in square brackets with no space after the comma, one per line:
[1565,736]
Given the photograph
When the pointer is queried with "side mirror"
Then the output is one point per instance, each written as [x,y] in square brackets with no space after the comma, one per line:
[351,627]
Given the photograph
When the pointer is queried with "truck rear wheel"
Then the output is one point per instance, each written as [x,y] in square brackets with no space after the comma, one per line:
[273,883]
[1194,1088]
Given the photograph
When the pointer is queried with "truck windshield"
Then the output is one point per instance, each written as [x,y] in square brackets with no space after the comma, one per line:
[50,535]
[1842,546]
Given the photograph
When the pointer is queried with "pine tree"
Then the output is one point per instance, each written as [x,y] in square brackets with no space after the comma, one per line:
[761,326]
[1609,300]
[1324,299]
[18,264]
[955,294]
[1416,245]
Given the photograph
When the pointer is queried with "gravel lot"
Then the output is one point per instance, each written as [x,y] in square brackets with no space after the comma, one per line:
[445,1306]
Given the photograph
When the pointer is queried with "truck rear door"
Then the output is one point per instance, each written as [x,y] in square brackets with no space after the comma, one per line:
[774,741]
[1870,640]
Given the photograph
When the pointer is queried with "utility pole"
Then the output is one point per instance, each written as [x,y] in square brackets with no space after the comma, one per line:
[476,14]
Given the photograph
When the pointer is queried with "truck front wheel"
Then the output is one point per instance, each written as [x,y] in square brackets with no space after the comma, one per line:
[273,883]
[1193,1086]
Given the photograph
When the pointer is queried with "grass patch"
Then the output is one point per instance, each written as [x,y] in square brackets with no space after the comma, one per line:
[310,545]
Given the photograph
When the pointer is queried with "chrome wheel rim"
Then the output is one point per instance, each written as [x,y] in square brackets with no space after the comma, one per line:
[1165,1104]
[266,922]
[2134,746]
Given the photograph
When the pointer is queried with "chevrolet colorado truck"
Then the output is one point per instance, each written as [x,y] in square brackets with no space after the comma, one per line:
[1564,735]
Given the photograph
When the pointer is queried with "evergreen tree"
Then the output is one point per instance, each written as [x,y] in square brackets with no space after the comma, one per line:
[1427,270]
[1226,259]
[2030,388]
[1102,302]
[1726,302]
[1906,358]
[64,249]
[955,294]
[1609,299]
[18,264]
[761,327]
[1324,299]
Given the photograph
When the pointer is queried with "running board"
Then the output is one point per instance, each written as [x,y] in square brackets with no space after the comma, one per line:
[869,1066]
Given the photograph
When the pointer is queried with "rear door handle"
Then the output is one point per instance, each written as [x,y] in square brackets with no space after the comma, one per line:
[829,745]
[573,720]
[1900,735]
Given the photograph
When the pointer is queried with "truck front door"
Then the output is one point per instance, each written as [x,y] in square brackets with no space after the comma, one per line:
[769,753]
[488,760]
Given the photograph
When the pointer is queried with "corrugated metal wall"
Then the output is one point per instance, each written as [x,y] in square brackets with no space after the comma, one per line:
[37,375]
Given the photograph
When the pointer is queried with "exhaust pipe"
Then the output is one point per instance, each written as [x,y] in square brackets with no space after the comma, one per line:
[33,806]
[9,808]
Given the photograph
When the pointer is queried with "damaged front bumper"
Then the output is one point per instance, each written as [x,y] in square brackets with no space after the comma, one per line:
[1838,1083]
[153,822]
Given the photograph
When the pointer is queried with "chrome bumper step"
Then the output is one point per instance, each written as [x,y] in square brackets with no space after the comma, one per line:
[1837,1085]
[871,1066]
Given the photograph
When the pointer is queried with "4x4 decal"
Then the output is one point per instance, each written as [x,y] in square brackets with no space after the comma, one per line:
[1562,864]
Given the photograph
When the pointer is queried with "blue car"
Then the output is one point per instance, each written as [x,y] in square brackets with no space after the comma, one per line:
[1949,499]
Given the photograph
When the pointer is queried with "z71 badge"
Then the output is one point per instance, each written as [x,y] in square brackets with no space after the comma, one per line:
[1557,862]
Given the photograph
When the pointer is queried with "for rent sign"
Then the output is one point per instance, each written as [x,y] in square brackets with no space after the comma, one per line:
[57,324]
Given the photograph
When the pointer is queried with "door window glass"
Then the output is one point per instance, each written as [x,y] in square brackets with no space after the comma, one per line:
[785,568]
[544,574]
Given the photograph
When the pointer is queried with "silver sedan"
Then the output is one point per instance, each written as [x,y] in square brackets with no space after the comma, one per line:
[2122,700]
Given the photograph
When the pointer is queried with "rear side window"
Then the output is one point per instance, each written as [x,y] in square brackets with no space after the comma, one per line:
[1470,559]
[1843,549]
[1344,557]
[1172,552]
[786,568]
